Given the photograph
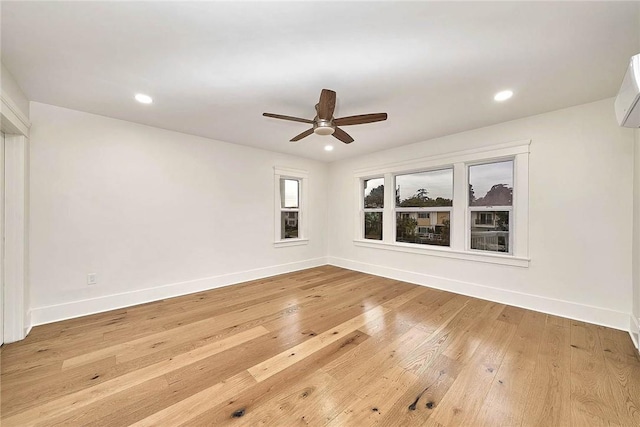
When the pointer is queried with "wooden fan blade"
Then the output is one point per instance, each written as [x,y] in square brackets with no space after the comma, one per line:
[293,119]
[327,104]
[302,135]
[361,119]
[343,136]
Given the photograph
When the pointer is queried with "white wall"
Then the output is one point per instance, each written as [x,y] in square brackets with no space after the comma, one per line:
[153,213]
[581,205]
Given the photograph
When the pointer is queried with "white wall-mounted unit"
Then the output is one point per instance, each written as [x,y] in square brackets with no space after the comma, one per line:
[626,104]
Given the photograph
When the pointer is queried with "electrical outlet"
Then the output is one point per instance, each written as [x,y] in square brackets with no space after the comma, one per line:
[92,279]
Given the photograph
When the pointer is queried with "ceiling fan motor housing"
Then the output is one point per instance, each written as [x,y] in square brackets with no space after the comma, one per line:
[323,127]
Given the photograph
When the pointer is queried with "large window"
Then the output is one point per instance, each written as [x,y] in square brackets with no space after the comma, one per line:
[290,207]
[490,206]
[373,208]
[423,207]
[470,204]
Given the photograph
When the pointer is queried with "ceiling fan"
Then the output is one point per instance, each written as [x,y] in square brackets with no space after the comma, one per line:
[325,124]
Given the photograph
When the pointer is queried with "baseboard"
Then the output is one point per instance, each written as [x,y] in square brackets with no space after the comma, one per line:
[634,331]
[54,313]
[27,323]
[571,310]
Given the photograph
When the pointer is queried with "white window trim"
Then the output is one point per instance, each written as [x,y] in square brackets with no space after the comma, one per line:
[518,151]
[303,177]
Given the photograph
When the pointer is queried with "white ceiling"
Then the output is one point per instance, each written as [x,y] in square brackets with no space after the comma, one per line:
[213,68]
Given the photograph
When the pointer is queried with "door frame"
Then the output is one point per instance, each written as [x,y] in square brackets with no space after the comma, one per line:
[15,125]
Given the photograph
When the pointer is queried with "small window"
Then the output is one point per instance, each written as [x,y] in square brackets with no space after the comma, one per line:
[373,202]
[290,205]
[423,207]
[290,208]
[491,206]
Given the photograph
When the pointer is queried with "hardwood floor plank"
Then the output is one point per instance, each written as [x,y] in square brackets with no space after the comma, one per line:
[272,366]
[377,397]
[591,396]
[198,403]
[466,395]
[310,401]
[506,400]
[261,393]
[92,394]
[621,361]
[439,339]
[134,348]
[322,346]
[46,388]
[549,394]
[417,403]
[512,315]
[109,408]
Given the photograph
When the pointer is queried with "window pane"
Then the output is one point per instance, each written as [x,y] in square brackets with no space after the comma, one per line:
[373,225]
[425,228]
[290,194]
[425,189]
[490,231]
[289,225]
[374,193]
[491,184]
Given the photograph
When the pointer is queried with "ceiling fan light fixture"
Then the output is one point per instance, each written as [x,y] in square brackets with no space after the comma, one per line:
[324,130]
[323,127]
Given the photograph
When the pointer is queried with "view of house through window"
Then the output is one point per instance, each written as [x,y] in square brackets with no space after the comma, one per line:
[469,205]
[290,208]
[373,206]
[423,207]
[490,205]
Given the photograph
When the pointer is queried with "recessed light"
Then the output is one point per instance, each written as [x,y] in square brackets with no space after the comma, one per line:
[328,148]
[503,96]
[143,99]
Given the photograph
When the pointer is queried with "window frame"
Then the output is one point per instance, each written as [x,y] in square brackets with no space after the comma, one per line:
[364,210]
[492,209]
[280,174]
[518,151]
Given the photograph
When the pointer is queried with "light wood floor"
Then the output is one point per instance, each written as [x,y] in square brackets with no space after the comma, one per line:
[321,347]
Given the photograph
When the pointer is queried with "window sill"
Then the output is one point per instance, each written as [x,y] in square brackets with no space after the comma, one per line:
[446,253]
[290,242]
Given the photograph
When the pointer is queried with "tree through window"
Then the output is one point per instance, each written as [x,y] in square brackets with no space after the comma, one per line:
[423,207]
[491,206]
